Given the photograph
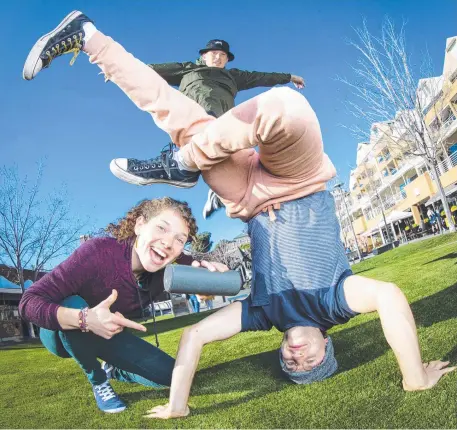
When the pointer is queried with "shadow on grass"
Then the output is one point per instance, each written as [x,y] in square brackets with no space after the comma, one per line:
[162,327]
[366,342]
[354,347]
[451,355]
[449,256]
[174,323]
[358,272]
[229,377]
[26,344]
[259,375]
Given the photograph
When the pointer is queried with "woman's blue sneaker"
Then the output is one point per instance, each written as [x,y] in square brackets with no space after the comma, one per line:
[107,400]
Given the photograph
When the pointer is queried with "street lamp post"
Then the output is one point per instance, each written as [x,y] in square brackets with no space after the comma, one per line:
[389,239]
[343,197]
[341,225]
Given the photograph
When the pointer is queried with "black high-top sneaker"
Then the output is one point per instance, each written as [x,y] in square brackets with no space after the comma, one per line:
[163,169]
[213,203]
[67,37]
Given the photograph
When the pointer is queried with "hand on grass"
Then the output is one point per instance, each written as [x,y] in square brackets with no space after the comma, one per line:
[164,412]
[102,322]
[433,371]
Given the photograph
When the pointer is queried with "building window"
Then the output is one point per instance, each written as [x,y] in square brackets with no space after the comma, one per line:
[453,77]
[422,170]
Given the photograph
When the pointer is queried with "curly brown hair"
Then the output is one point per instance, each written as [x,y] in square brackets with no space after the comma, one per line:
[124,228]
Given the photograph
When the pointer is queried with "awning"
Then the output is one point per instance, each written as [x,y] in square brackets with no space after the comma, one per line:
[5,284]
[368,233]
[395,216]
[17,291]
[450,189]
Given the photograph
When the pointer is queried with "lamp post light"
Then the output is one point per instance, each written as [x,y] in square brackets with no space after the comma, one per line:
[343,197]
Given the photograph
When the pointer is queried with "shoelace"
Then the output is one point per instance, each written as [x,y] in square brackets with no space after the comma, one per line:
[161,160]
[71,45]
[105,391]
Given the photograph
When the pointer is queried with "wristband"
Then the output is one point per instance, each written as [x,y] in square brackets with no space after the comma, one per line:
[83,319]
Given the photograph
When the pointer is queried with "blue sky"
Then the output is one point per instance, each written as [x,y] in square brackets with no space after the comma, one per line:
[79,123]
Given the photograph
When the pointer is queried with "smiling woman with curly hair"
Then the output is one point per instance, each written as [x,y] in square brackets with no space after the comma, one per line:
[80,305]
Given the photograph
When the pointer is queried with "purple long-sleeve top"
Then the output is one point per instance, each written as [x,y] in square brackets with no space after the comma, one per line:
[93,270]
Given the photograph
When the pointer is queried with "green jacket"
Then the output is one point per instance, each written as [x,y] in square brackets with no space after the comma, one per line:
[213,88]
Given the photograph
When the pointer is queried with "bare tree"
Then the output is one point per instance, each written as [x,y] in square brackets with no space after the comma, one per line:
[201,243]
[373,194]
[228,253]
[33,231]
[225,252]
[57,232]
[388,100]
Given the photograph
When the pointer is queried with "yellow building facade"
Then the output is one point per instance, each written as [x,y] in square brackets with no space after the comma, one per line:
[386,180]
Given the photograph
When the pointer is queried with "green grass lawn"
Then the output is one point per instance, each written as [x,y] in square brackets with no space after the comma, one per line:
[238,384]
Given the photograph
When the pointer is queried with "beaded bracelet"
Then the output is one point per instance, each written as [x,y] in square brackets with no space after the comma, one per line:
[83,319]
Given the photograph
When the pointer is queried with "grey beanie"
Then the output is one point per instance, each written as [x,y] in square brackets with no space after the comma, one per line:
[322,371]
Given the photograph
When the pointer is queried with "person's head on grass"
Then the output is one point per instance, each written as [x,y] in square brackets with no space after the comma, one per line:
[306,356]
[160,227]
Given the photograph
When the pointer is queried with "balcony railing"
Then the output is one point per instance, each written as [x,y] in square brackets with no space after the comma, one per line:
[448,122]
[441,130]
[432,103]
[394,200]
[369,215]
[376,211]
[389,179]
[449,126]
[387,204]
[364,201]
[448,163]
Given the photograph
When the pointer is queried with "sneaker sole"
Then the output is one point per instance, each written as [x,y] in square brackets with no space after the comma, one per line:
[112,411]
[135,180]
[208,210]
[207,207]
[34,56]
[115,411]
